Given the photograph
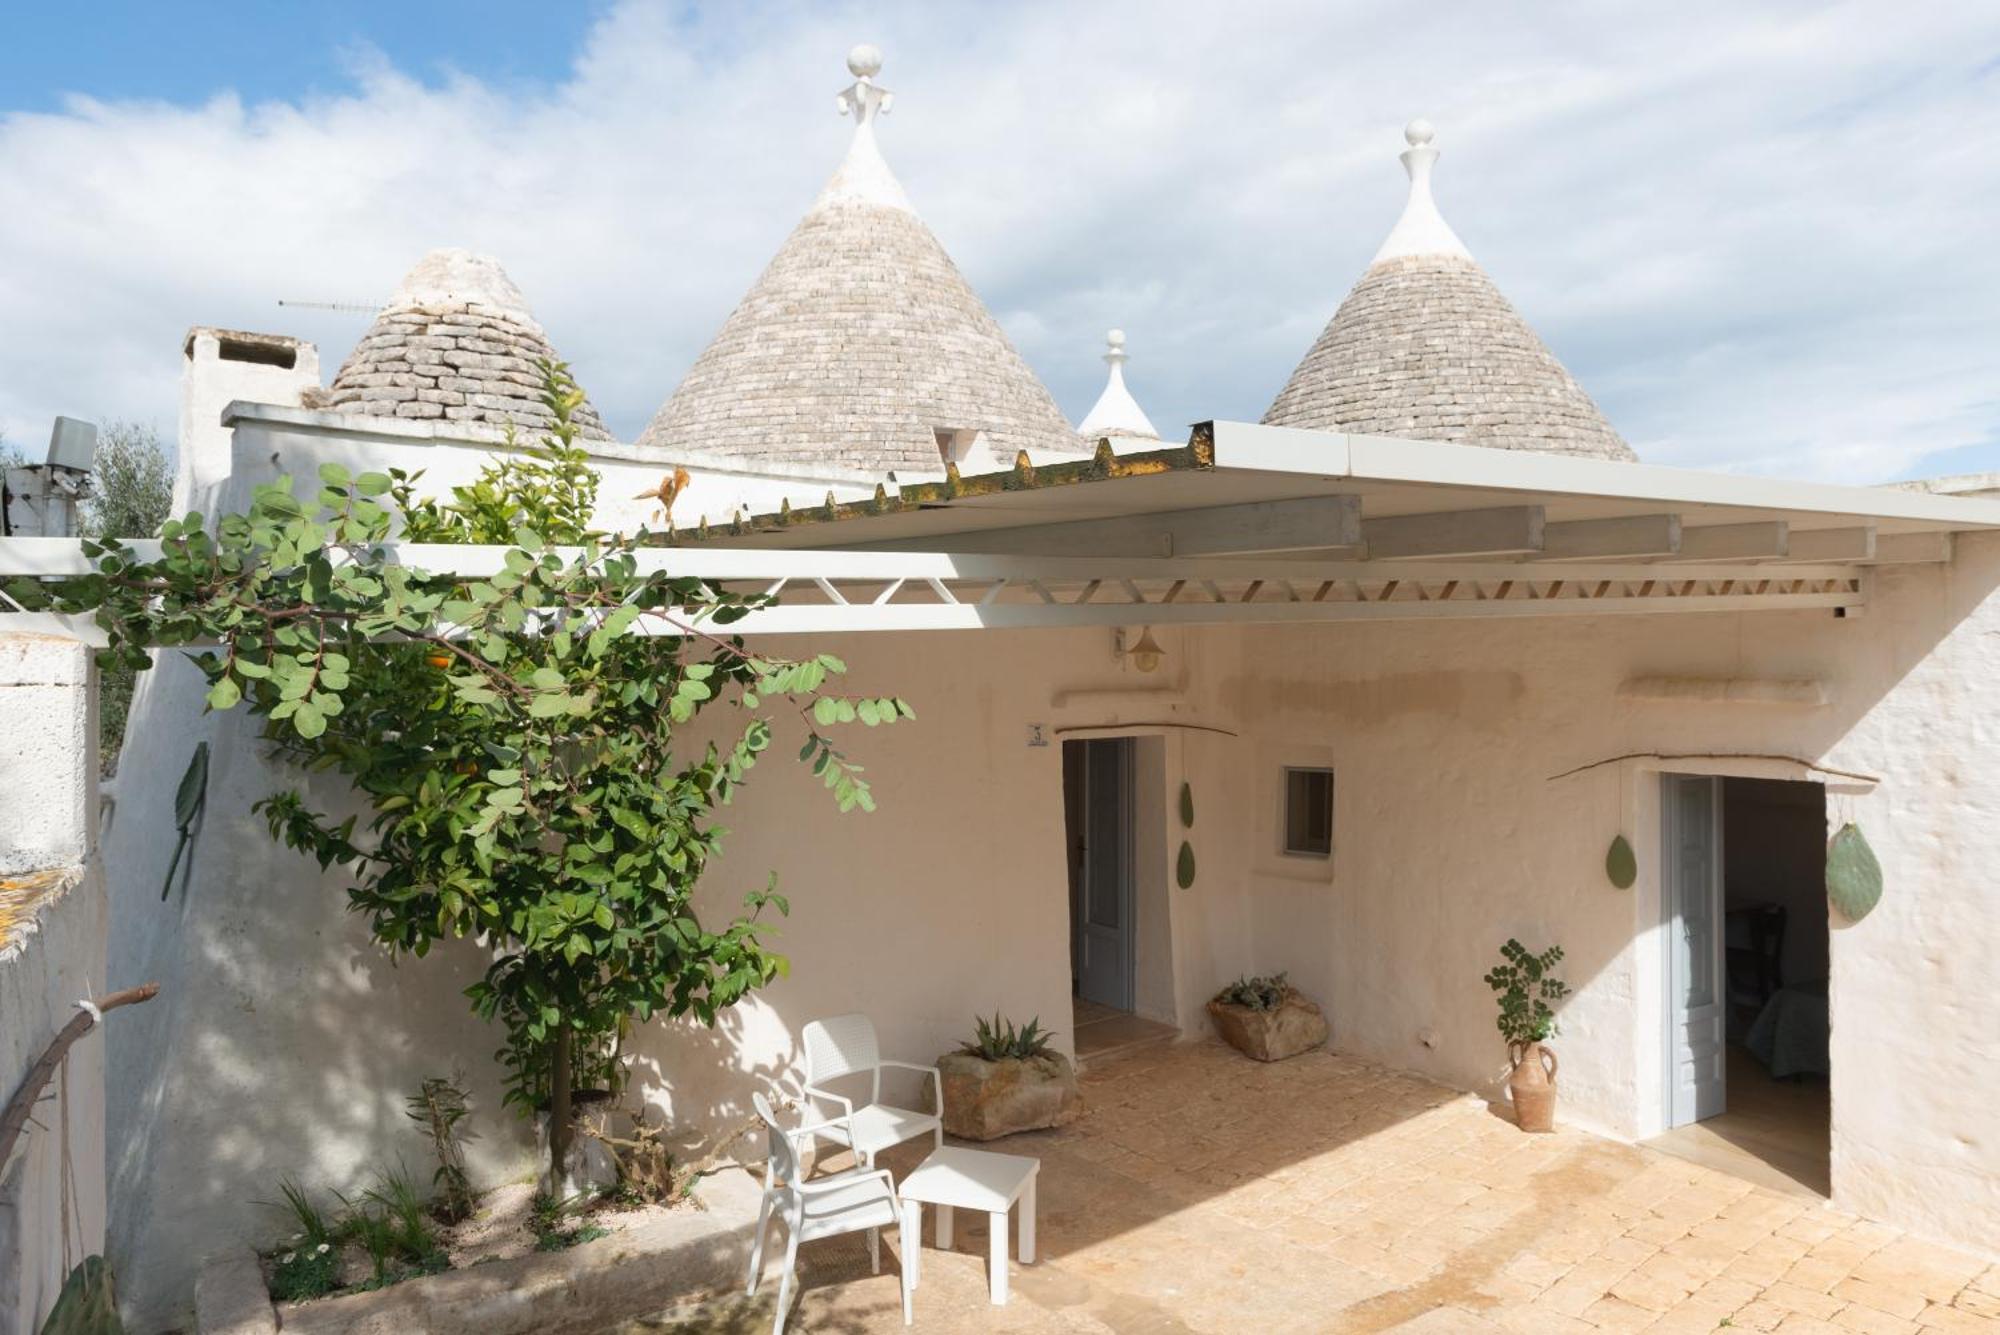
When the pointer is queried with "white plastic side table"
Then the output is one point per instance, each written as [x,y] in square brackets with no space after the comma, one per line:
[954,1178]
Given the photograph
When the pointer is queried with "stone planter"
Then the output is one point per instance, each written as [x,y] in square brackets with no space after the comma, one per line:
[1295,1026]
[985,1100]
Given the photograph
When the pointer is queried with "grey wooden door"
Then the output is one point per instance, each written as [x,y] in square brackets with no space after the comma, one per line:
[1104,907]
[1691,903]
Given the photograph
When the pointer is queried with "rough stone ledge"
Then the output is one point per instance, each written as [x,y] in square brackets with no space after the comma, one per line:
[636,1271]
[230,1297]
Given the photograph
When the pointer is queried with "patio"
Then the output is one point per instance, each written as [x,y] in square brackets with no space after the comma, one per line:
[1206,1193]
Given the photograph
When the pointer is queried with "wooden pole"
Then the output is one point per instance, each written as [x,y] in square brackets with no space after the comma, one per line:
[18,1107]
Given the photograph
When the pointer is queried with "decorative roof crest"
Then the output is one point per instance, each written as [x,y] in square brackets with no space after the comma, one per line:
[864,176]
[1421,230]
[1116,412]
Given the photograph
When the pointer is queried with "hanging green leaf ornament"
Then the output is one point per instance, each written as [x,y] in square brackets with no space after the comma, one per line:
[1853,876]
[1620,864]
[1184,866]
[1187,807]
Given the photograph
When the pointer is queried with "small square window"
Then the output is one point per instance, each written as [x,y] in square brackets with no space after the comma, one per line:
[1308,812]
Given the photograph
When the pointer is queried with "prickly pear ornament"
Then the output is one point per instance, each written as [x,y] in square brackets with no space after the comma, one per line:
[1853,876]
[1620,864]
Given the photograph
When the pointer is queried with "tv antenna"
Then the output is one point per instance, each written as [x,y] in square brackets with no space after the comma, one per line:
[345,307]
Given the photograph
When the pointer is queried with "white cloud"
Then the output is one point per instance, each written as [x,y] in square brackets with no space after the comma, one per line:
[1759,237]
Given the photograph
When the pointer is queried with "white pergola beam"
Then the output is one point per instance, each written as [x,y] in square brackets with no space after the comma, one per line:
[1626,538]
[1895,549]
[1766,540]
[1309,523]
[1513,530]
[1832,544]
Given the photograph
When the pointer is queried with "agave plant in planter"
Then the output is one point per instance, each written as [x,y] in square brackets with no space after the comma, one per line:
[1528,988]
[1007,1079]
[1267,1018]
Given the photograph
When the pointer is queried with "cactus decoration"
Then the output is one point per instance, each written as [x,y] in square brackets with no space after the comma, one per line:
[1853,876]
[1620,864]
[1184,865]
[1187,807]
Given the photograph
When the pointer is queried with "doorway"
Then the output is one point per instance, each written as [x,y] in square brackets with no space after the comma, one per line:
[1098,776]
[1120,966]
[1744,918]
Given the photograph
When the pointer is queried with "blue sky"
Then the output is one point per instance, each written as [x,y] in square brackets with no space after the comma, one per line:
[118,50]
[1758,233]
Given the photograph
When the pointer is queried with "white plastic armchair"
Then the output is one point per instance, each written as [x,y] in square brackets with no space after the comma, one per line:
[845,1045]
[847,1202]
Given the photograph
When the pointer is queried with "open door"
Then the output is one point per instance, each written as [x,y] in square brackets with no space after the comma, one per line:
[1691,909]
[1099,776]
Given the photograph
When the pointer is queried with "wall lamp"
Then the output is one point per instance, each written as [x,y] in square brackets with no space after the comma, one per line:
[1144,653]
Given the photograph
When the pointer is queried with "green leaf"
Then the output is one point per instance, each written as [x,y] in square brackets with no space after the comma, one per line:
[224,694]
[307,721]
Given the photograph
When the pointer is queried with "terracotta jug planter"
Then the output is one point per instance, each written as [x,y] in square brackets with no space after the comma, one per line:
[1533,1085]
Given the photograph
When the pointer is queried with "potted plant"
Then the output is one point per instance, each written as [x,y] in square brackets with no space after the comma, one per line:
[1268,1018]
[1528,989]
[1005,1080]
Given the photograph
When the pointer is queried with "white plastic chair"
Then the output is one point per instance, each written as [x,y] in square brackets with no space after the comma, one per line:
[845,1045]
[845,1202]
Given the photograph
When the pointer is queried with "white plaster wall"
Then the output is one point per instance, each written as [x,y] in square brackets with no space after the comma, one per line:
[1451,835]
[47,798]
[271,441]
[288,1042]
[284,1042]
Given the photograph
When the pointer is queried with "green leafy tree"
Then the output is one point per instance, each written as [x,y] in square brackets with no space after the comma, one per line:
[517,737]
[131,483]
[131,494]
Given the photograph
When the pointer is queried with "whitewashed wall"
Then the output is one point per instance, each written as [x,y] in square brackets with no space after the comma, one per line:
[1452,835]
[48,795]
[284,1042]
[289,1042]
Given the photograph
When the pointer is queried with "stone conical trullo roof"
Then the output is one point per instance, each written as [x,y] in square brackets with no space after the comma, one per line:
[1426,347]
[861,347]
[455,344]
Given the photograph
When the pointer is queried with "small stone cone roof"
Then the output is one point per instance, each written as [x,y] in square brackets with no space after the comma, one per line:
[1116,412]
[455,344]
[1426,347]
[860,341]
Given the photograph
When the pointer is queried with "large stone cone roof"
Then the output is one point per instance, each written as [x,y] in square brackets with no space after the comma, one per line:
[858,344]
[1425,346]
[455,344]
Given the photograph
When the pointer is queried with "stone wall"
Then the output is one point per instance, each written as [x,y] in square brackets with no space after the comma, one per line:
[52,952]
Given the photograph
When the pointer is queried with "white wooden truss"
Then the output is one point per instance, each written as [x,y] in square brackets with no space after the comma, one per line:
[848,592]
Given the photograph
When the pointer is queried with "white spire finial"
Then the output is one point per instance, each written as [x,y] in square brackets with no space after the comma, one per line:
[1116,412]
[1421,230]
[863,177]
[864,99]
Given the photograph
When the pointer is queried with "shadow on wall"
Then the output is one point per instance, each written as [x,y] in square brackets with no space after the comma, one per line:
[284,1042]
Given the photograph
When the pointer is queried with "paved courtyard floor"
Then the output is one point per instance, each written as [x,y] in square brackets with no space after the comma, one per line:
[1207,1193]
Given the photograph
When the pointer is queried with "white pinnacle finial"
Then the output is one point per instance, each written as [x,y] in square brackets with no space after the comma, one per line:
[864,99]
[1421,230]
[863,177]
[1116,412]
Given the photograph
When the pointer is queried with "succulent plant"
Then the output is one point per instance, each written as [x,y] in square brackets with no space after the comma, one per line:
[1257,994]
[1000,1040]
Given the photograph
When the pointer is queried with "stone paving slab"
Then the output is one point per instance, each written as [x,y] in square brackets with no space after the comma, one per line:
[1203,1192]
